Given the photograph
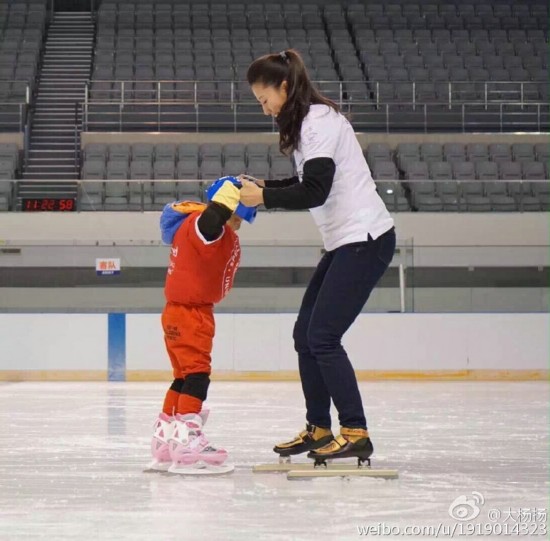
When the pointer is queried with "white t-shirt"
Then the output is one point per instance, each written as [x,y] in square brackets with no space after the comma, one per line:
[353,208]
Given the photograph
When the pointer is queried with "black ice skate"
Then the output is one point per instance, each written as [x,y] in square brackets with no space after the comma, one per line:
[350,443]
[309,439]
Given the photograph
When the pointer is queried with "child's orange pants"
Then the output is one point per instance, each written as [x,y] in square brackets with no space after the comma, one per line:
[188,335]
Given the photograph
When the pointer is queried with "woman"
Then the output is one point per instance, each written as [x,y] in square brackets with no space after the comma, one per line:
[335,183]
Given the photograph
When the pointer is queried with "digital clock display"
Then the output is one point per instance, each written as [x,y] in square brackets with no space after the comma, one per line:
[49,204]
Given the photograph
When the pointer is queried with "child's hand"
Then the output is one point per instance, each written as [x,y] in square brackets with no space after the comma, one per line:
[228,195]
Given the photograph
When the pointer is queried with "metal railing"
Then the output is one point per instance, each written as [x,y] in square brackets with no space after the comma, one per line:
[24,91]
[229,106]
[221,116]
[235,92]
[456,195]
[494,272]
[188,91]
[464,117]
[13,110]
[464,92]
[175,116]
[144,256]
[391,191]
[13,116]
[77,131]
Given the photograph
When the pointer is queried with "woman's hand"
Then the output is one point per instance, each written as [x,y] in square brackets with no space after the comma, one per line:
[257,181]
[251,195]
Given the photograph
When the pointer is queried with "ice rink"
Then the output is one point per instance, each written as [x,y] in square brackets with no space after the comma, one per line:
[73,453]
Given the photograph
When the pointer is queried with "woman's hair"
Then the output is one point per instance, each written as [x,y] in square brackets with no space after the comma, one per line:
[272,70]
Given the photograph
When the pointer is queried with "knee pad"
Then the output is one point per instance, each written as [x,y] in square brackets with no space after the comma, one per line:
[196,385]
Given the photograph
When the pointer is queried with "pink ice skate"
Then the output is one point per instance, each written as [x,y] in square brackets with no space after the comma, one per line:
[190,450]
[163,428]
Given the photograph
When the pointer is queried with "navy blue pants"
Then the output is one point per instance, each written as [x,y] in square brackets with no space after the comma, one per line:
[335,296]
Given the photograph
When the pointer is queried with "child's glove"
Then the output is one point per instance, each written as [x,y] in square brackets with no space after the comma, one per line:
[228,196]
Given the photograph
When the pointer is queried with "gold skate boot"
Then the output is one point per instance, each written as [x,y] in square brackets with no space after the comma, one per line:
[351,442]
[311,438]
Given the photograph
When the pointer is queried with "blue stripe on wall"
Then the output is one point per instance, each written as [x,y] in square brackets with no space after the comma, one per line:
[117,347]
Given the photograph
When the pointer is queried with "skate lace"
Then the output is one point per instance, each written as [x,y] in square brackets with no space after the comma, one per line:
[181,433]
[210,449]
[197,440]
[163,430]
[205,444]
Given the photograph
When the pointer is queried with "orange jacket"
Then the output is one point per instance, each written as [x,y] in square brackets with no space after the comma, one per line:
[201,272]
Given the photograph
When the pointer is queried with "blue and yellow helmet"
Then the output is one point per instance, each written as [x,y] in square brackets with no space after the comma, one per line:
[246,213]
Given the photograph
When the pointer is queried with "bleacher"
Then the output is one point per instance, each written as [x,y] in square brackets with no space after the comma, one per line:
[454,177]
[450,177]
[168,162]
[422,67]
[9,167]
[22,27]
[376,59]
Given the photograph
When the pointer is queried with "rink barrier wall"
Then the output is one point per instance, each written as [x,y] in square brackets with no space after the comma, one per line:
[14,376]
[258,347]
[116,348]
[448,230]
[362,375]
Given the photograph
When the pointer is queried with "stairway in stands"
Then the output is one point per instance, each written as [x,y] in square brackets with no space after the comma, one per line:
[66,67]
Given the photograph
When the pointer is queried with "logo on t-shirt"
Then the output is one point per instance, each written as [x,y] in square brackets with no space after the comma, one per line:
[310,136]
[231,267]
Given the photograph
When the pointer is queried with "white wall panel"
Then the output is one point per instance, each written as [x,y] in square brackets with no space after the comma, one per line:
[282,228]
[288,356]
[223,354]
[263,342]
[145,348]
[53,342]
[257,341]
[504,341]
[407,342]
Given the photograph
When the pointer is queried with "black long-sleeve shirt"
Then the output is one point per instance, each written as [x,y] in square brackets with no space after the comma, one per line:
[212,220]
[312,192]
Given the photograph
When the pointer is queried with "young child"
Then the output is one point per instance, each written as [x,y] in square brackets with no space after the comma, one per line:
[204,257]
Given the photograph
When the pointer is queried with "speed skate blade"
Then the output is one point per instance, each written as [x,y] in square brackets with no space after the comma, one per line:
[288,466]
[200,468]
[308,470]
[350,471]
[155,467]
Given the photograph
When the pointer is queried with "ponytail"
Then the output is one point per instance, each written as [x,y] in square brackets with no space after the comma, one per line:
[273,70]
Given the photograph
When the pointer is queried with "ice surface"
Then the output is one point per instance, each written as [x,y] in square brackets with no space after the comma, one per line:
[73,453]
